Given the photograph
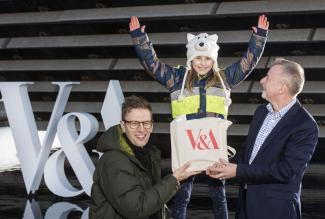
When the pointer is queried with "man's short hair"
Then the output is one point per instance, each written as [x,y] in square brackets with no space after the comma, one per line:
[294,75]
[135,102]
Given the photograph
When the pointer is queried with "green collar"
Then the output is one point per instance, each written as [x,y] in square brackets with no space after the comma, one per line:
[124,145]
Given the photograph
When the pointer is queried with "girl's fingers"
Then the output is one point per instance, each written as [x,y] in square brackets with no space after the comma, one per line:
[134,21]
[261,19]
[142,28]
[263,22]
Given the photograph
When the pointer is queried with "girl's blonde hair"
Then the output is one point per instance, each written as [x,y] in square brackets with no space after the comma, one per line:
[211,81]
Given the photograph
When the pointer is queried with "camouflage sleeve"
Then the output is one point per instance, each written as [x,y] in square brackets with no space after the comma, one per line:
[160,71]
[240,70]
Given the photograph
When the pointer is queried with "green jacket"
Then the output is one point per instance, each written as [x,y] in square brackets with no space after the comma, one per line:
[122,187]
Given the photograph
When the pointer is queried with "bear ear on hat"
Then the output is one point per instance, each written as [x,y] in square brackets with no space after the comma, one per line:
[214,37]
[190,37]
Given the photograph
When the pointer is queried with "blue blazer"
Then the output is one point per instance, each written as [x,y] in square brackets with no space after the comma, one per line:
[274,178]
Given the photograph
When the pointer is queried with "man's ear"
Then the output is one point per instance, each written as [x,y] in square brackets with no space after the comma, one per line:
[122,124]
[284,88]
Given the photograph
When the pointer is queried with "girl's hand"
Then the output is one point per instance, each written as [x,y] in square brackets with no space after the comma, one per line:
[263,23]
[135,24]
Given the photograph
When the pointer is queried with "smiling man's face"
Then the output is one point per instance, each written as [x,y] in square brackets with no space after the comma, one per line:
[137,126]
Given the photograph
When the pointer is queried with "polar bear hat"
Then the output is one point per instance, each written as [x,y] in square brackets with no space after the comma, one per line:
[202,45]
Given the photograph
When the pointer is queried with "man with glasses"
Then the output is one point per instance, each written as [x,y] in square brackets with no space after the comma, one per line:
[127,179]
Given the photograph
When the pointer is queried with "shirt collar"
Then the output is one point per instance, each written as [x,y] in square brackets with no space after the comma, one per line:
[283,111]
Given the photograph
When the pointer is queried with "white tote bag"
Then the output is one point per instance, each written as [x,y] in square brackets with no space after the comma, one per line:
[201,141]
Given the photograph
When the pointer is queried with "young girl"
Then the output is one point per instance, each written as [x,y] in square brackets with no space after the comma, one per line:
[205,93]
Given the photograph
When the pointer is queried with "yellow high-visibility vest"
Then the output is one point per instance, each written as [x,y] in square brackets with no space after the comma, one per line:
[215,102]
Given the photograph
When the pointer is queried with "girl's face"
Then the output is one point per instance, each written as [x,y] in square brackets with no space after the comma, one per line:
[202,64]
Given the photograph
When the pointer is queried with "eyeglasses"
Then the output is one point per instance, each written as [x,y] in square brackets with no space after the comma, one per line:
[136,124]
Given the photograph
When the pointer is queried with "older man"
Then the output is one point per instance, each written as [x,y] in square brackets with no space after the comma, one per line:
[127,180]
[281,141]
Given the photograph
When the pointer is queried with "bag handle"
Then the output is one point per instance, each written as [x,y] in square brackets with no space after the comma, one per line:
[227,99]
[224,88]
[181,95]
[231,151]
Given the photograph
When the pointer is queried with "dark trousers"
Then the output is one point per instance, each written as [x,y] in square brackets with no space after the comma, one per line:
[217,194]
[241,208]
